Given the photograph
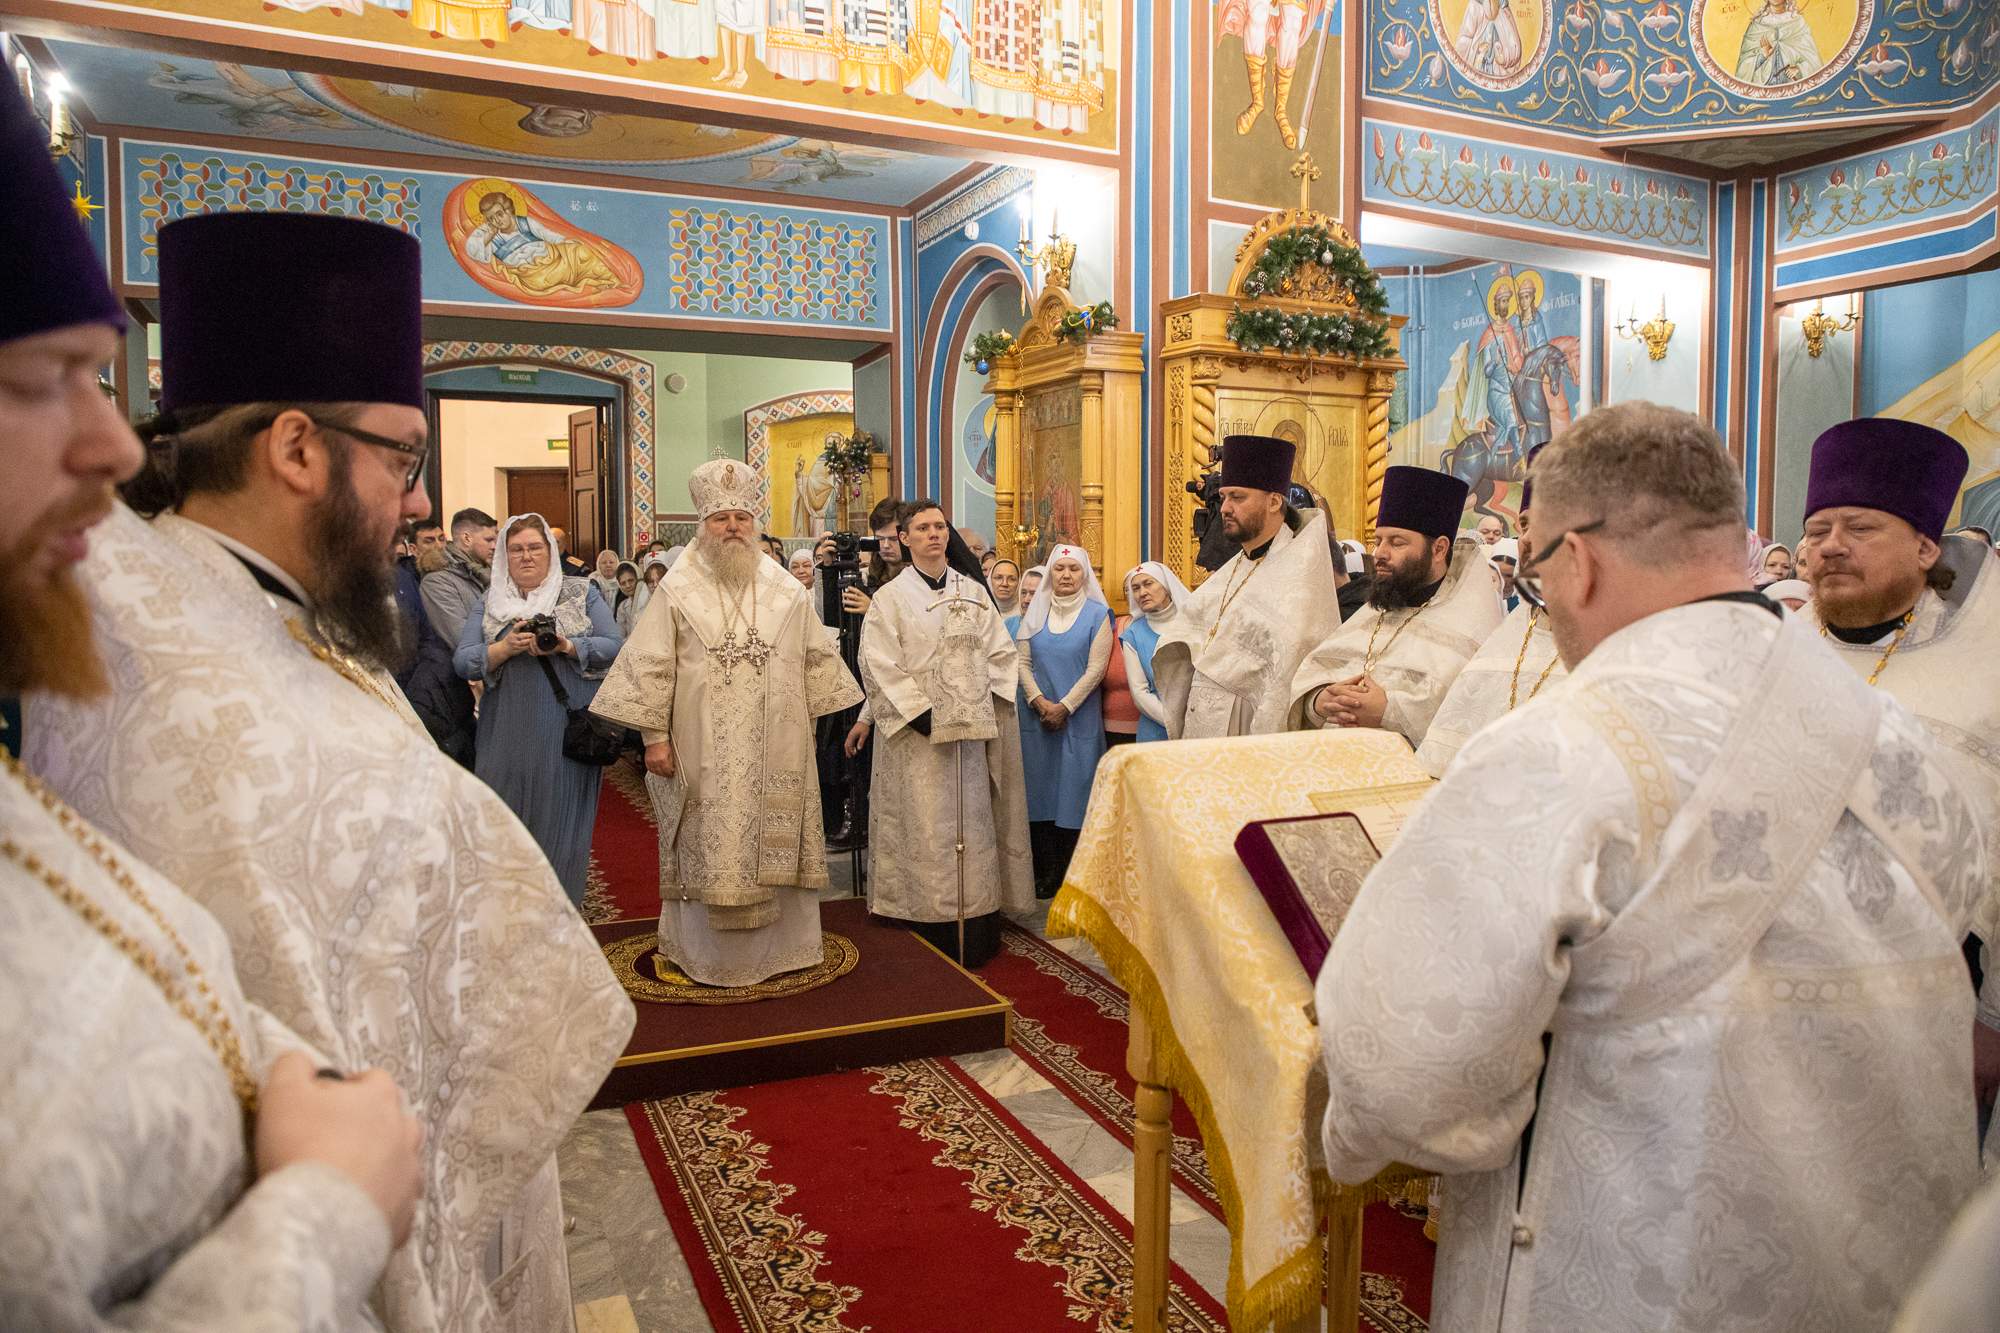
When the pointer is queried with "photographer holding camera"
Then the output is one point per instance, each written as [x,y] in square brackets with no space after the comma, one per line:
[541,641]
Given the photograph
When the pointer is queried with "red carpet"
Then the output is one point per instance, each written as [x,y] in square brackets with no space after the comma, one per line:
[624,851]
[823,1205]
[899,1200]
[1070,1024]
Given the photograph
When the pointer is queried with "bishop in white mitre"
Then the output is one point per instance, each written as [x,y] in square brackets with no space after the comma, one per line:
[381,901]
[1915,613]
[1224,664]
[1430,607]
[941,672]
[1717,970]
[724,674]
[135,1069]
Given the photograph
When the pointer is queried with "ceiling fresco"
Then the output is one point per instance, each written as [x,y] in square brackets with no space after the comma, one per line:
[161,91]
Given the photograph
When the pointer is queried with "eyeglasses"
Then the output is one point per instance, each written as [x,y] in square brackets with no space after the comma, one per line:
[1528,583]
[420,452]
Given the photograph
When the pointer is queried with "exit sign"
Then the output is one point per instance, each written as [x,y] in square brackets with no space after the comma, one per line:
[520,376]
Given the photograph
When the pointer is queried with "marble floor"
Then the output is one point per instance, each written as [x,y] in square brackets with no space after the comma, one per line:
[628,1274]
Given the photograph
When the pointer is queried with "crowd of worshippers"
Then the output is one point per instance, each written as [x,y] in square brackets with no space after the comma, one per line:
[1677,977]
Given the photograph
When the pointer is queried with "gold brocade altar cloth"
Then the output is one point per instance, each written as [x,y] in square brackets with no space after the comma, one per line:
[1158,890]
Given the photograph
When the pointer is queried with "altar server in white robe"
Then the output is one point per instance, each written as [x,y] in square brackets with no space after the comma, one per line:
[1224,665]
[156,1171]
[722,678]
[1515,664]
[1431,605]
[1915,613]
[1718,968]
[381,901]
[941,673]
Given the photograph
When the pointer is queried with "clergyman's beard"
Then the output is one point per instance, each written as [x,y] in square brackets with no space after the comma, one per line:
[354,600]
[734,563]
[1860,609]
[46,625]
[1399,587]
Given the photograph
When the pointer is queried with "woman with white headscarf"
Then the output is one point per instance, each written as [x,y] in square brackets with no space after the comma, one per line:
[1774,563]
[1155,596]
[1065,644]
[521,719]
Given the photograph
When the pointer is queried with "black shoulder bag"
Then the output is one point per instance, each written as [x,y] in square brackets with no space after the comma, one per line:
[587,738]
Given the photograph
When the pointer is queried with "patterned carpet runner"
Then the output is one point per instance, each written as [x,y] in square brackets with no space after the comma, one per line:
[898,1200]
[624,879]
[1070,1025]
[905,1198]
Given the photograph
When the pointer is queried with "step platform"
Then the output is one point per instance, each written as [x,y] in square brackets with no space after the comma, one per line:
[903,1000]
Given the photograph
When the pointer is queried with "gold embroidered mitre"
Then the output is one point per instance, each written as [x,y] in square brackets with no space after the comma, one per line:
[724,483]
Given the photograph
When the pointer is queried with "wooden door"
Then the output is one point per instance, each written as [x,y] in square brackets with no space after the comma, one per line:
[539,490]
[586,528]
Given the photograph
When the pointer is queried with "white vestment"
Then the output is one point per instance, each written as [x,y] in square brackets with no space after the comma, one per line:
[1502,675]
[381,901]
[948,654]
[1943,671]
[1734,895]
[125,1174]
[1225,670]
[742,848]
[1416,653]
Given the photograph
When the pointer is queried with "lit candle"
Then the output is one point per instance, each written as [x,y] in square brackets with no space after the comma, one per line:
[24,74]
[59,126]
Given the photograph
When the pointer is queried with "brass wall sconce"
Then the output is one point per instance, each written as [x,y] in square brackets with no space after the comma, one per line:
[1656,332]
[1818,326]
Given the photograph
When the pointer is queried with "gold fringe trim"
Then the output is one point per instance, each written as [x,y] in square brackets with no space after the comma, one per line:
[1291,1290]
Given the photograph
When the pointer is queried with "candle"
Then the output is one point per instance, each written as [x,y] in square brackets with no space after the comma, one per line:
[24,75]
[59,126]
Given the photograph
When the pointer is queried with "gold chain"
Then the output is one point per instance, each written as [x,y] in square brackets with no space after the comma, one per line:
[1369,658]
[1895,643]
[1514,686]
[214,1024]
[1229,595]
[345,666]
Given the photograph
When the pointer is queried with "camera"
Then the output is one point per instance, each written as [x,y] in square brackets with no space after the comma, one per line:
[547,637]
[850,546]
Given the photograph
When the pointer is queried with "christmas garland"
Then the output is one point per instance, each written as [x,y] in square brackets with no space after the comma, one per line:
[1082,325]
[1300,331]
[849,458]
[989,347]
[1285,252]
[1255,328]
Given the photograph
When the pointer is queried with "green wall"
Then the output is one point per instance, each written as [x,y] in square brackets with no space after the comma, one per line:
[705,420]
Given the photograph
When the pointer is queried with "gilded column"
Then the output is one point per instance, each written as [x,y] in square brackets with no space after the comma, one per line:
[1381,385]
[1091,385]
[1006,469]
[1201,439]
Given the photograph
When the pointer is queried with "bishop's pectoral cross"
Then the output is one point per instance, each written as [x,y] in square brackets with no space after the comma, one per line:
[729,653]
